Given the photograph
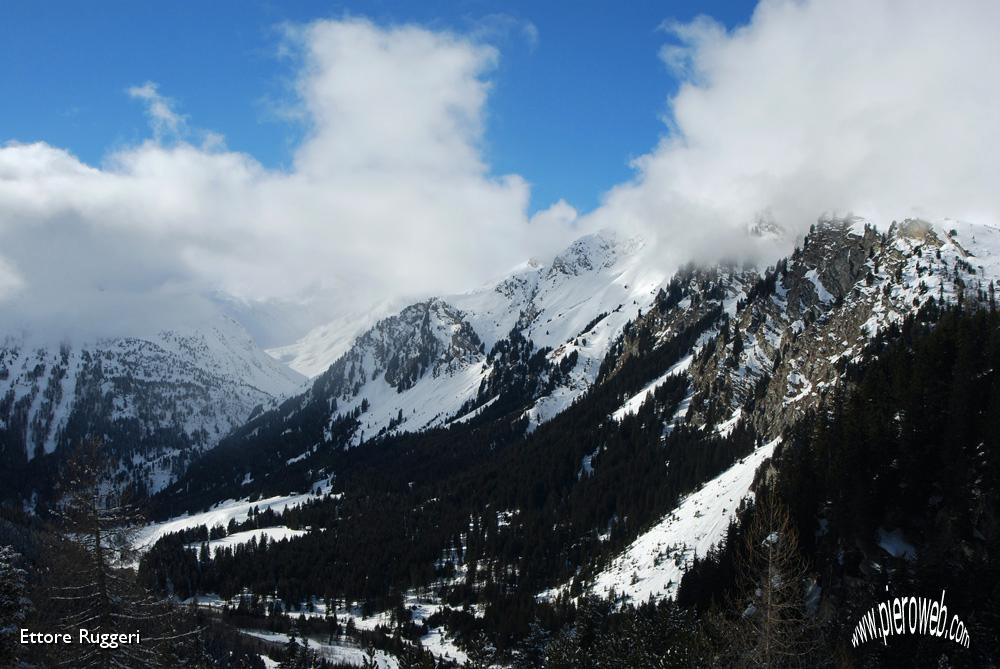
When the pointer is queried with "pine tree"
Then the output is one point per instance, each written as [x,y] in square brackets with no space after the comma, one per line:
[370,660]
[415,657]
[482,653]
[564,651]
[530,652]
[298,656]
[14,604]
[292,649]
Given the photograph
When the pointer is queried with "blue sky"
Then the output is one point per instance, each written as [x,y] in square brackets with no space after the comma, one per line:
[568,110]
[809,108]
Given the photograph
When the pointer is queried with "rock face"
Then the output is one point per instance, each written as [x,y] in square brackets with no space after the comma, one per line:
[790,338]
[428,337]
[155,401]
[781,339]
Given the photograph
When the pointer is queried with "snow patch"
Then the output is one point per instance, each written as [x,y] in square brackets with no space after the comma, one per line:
[239,538]
[222,513]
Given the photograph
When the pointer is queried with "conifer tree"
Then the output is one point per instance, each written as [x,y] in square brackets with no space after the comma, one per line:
[482,653]
[14,604]
[564,652]
[370,660]
[530,652]
[415,657]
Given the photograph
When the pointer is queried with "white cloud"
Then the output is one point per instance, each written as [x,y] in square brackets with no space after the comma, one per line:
[388,195]
[10,281]
[881,107]
[500,27]
[159,109]
[556,216]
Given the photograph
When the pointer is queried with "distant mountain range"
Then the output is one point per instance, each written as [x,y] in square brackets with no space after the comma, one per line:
[154,401]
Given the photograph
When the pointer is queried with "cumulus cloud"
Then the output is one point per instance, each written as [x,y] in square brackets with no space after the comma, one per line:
[388,195]
[885,108]
[878,107]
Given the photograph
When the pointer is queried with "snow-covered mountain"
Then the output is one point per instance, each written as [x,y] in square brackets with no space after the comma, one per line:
[591,424]
[446,358]
[155,400]
[781,346]
[762,347]
[789,342]
[772,341]
[322,346]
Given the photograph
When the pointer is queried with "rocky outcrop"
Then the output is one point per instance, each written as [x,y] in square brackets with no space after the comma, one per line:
[790,339]
[783,336]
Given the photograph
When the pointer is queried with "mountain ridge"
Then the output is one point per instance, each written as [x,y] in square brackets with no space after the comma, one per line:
[154,400]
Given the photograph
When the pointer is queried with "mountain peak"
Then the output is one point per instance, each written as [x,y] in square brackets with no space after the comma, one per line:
[597,250]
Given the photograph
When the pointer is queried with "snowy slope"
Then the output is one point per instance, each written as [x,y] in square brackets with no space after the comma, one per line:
[603,277]
[339,653]
[636,401]
[320,347]
[235,539]
[224,348]
[426,365]
[849,283]
[654,563]
[222,512]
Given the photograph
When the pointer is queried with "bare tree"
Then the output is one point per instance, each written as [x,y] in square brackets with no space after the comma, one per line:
[96,589]
[773,628]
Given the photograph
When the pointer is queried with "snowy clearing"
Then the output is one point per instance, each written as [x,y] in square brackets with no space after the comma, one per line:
[222,513]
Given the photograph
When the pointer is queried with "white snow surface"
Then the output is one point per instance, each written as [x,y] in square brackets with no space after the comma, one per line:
[653,564]
[239,538]
[315,352]
[821,292]
[437,640]
[343,653]
[223,512]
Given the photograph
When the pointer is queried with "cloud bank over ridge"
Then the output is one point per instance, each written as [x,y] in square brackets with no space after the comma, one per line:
[880,107]
[885,108]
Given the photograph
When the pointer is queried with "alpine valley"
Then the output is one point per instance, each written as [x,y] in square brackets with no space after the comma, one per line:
[596,461]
